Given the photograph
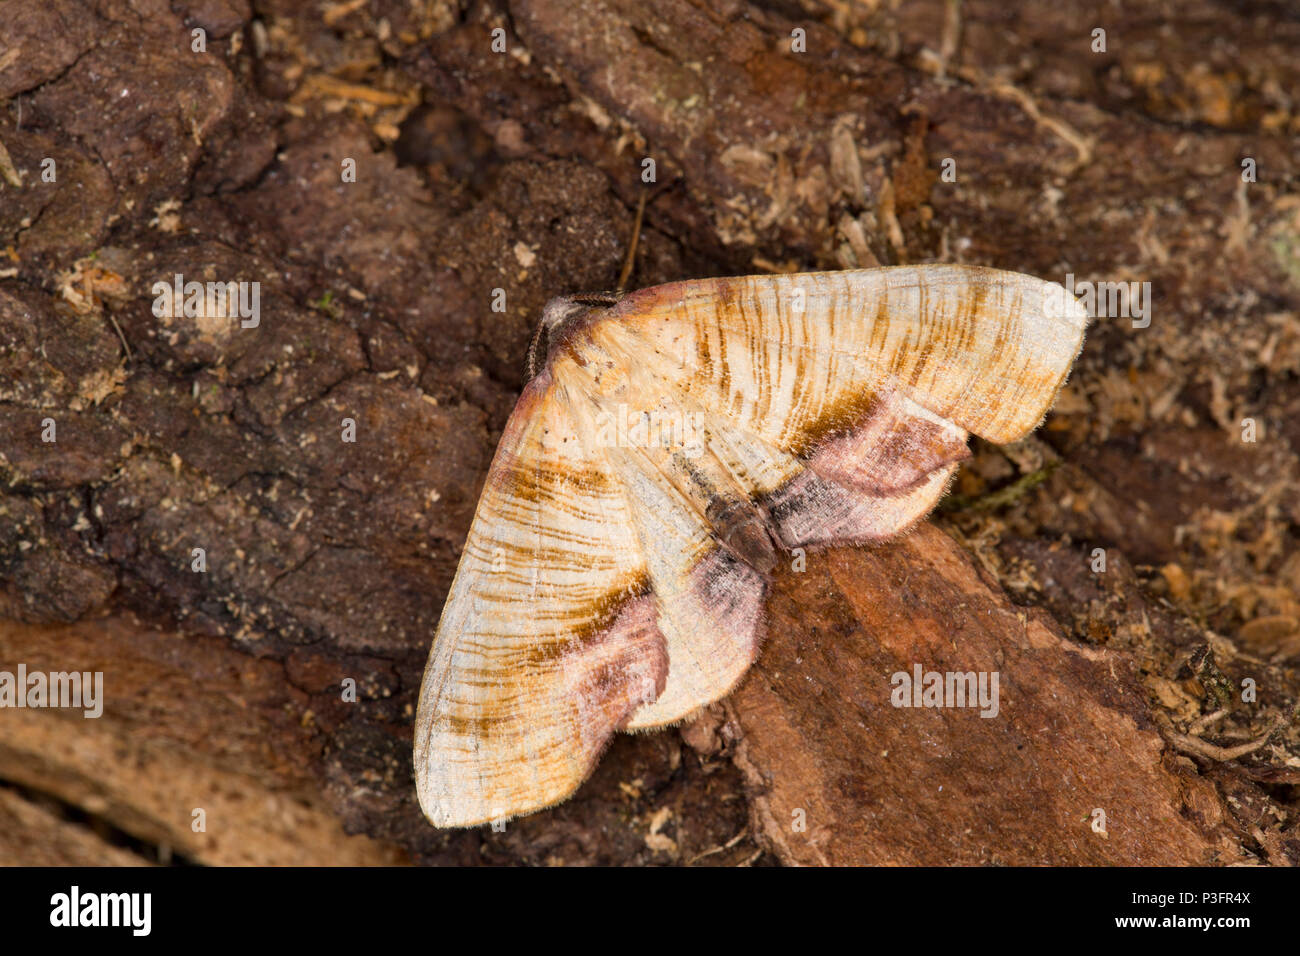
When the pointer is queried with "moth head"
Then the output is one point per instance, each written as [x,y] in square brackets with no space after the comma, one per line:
[560,311]
[559,317]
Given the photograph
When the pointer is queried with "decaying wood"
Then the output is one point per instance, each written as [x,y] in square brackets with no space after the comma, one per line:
[186,728]
[841,776]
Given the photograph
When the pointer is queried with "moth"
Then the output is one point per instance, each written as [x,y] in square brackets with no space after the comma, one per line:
[672,447]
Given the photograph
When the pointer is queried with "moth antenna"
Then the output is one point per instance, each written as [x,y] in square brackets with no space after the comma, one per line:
[597,298]
[630,261]
[530,364]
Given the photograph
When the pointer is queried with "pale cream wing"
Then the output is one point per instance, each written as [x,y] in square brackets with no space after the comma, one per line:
[708,594]
[547,642]
[794,358]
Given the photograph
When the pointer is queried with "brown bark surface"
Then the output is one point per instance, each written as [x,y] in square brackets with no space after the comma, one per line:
[520,171]
[869,782]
